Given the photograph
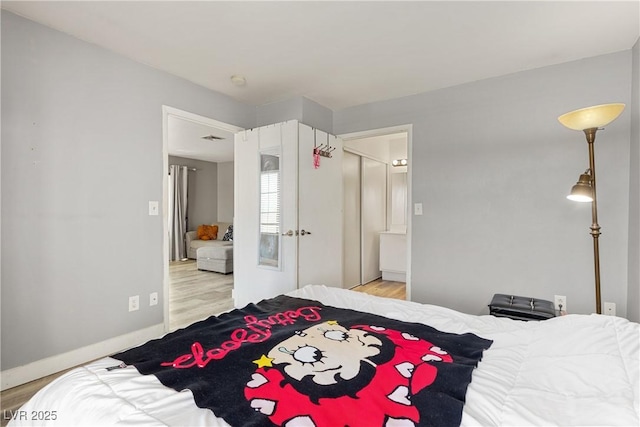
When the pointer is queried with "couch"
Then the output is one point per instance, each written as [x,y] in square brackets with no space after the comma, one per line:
[218,259]
[193,243]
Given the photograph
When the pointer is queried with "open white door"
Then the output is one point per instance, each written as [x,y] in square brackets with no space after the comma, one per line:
[288,212]
[319,209]
[265,206]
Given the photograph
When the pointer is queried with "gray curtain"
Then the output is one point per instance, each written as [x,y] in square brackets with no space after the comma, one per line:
[177,212]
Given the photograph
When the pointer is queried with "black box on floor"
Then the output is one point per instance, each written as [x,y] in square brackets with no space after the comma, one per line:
[521,308]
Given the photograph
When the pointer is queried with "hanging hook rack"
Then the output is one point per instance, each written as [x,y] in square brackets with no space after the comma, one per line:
[323,150]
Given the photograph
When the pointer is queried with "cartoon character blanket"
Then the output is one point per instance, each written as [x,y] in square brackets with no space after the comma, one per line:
[295,362]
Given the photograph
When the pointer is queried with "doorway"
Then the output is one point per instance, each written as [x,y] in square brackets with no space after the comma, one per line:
[198,138]
[376,173]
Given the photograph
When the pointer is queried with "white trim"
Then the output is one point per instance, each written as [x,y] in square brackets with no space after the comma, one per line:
[376,132]
[195,118]
[50,365]
[166,111]
[394,276]
[363,154]
[408,128]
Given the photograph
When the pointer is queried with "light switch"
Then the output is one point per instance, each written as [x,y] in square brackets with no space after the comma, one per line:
[153,207]
[417,208]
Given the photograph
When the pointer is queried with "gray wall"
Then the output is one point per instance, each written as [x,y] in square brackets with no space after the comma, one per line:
[633,296]
[276,112]
[202,197]
[81,158]
[225,192]
[317,116]
[300,108]
[492,166]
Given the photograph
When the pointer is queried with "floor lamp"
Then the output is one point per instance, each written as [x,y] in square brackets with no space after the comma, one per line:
[590,120]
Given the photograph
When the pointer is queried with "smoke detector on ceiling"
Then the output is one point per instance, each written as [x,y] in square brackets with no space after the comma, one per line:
[238,80]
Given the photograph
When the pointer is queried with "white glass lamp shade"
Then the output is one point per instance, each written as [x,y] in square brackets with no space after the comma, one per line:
[591,117]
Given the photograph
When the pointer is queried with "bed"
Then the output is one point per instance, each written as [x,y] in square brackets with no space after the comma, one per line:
[446,368]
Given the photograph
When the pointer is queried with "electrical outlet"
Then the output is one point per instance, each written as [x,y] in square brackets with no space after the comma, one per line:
[153,207]
[134,303]
[610,308]
[560,300]
[153,298]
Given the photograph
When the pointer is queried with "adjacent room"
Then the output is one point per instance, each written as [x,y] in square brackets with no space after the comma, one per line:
[199,216]
[320,213]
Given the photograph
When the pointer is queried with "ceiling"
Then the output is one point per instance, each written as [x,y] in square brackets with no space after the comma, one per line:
[186,139]
[343,53]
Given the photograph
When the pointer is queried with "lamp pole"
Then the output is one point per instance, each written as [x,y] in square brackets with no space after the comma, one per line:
[595,228]
[589,120]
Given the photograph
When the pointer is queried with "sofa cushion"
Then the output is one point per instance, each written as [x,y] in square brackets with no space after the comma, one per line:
[196,244]
[216,252]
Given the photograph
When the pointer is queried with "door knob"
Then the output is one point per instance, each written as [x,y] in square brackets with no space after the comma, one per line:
[288,233]
[304,232]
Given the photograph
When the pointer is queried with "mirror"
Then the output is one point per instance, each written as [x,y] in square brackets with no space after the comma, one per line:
[269,247]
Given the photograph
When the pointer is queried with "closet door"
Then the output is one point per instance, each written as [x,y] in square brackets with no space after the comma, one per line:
[319,209]
[352,239]
[374,216]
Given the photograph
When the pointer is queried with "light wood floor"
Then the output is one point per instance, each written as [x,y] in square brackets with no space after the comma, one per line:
[384,288]
[194,295]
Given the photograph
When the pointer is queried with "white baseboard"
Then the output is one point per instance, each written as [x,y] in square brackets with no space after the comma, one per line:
[394,277]
[50,365]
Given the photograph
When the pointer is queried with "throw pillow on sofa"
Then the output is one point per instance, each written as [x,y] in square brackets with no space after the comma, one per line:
[207,232]
[228,236]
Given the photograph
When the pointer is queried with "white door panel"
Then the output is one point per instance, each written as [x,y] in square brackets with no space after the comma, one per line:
[351,233]
[253,282]
[310,199]
[289,203]
[319,210]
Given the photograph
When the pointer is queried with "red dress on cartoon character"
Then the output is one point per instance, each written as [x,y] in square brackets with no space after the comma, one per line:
[329,357]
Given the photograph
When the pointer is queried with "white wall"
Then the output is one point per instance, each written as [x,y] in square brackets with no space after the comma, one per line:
[492,166]
[81,157]
[225,192]
[633,296]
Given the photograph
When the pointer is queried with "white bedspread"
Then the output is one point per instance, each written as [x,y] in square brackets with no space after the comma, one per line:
[570,370]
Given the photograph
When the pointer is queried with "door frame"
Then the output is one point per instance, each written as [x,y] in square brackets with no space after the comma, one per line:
[167,112]
[408,128]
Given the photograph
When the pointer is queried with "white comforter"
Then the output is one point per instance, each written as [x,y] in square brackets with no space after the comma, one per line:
[570,370]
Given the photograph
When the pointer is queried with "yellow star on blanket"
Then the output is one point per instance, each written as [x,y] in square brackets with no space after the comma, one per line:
[264,361]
